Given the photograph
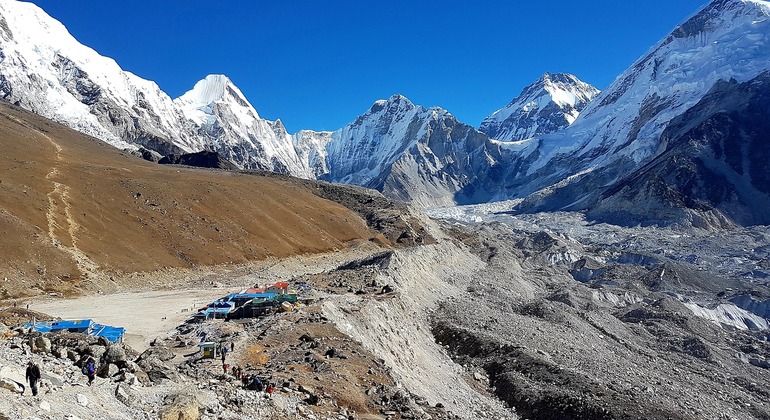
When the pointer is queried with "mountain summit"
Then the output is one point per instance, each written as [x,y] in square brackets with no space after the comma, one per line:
[622,129]
[548,105]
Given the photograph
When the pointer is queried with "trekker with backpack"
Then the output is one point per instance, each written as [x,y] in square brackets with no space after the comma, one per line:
[33,376]
[89,369]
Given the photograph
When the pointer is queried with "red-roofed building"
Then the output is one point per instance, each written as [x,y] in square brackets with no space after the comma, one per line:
[278,288]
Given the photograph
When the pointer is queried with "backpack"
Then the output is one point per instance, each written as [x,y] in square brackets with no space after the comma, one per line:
[84,369]
[90,368]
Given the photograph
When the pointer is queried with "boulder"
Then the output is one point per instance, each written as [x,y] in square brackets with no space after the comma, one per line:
[115,354]
[142,377]
[125,394]
[11,385]
[131,366]
[107,370]
[81,399]
[160,352]
[96,351]
[180,407]
[40,344]
[61,352]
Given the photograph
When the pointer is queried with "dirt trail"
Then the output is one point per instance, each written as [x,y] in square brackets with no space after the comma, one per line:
[59,207]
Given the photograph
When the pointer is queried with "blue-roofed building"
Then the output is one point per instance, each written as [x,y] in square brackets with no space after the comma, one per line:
[112,334]
[83,326]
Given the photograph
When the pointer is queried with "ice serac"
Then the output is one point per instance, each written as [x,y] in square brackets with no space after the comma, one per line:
[423,156]
[621,129]
[224,121]
[546,106]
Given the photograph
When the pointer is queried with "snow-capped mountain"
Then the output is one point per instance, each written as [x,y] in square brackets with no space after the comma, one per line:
[546,106]
[225,122]
[714,171]
[46,70]
[621,129]
[411,153]
[560,145]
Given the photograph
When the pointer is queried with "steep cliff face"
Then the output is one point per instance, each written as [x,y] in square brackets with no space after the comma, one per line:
[424,156]
[224,121]
[714,170]
[622,129]
[550,104]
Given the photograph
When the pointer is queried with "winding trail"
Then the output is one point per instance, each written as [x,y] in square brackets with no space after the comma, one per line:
[59,217]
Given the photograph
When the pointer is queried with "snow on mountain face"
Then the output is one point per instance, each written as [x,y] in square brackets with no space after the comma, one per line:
[621,129]
[410,153]
[714,171]
[44,69]
[548,105]
[224,121]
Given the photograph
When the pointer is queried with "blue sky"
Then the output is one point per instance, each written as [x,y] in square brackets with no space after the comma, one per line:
[319,64]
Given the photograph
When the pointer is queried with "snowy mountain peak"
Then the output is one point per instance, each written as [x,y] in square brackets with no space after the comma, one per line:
[550,104]
[214,88]
[394,103]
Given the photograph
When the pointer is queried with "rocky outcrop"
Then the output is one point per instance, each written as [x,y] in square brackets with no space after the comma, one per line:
[202,159]
[714,171]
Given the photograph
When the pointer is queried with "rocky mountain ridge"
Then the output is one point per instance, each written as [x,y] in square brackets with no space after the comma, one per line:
[550,104]
[543,149]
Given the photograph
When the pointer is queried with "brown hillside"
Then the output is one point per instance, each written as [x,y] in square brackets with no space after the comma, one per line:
[72,206]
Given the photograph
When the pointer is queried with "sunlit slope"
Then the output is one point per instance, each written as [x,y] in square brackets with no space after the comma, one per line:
[71,205]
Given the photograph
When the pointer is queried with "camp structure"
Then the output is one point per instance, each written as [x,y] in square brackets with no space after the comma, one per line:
[84,326]
[210,349]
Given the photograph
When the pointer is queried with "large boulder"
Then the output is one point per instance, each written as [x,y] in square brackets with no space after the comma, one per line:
[161,352]
[125,394]
[96,351]
[180,406]
[11,385]
[40,344]
[115,354]
[107,370]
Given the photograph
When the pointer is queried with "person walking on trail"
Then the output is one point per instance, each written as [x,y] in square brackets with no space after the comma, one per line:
[90,371]
[232,346]
[33,376]
[224,367]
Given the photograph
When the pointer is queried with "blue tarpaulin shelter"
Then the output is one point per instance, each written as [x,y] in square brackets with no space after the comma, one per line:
[85,326]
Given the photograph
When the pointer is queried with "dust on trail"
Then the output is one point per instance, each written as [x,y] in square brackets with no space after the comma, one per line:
[59,207]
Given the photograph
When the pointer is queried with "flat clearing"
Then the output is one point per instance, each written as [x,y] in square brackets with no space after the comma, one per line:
[145,315]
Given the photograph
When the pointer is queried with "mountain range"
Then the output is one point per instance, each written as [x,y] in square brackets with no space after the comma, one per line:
[628,154]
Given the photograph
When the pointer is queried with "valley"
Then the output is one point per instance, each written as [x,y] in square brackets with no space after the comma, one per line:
[581,255]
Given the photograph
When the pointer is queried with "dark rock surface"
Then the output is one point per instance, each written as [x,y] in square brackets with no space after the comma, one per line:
[204,159]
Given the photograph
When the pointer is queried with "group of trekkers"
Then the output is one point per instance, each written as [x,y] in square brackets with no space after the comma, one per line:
[33,374]
[249,381]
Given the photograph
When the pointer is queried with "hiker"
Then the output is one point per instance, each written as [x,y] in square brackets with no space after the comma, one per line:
[255,384]
[89,369]
[224,367]
[33,376]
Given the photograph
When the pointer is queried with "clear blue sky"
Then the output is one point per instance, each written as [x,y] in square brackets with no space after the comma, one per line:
[319,64]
